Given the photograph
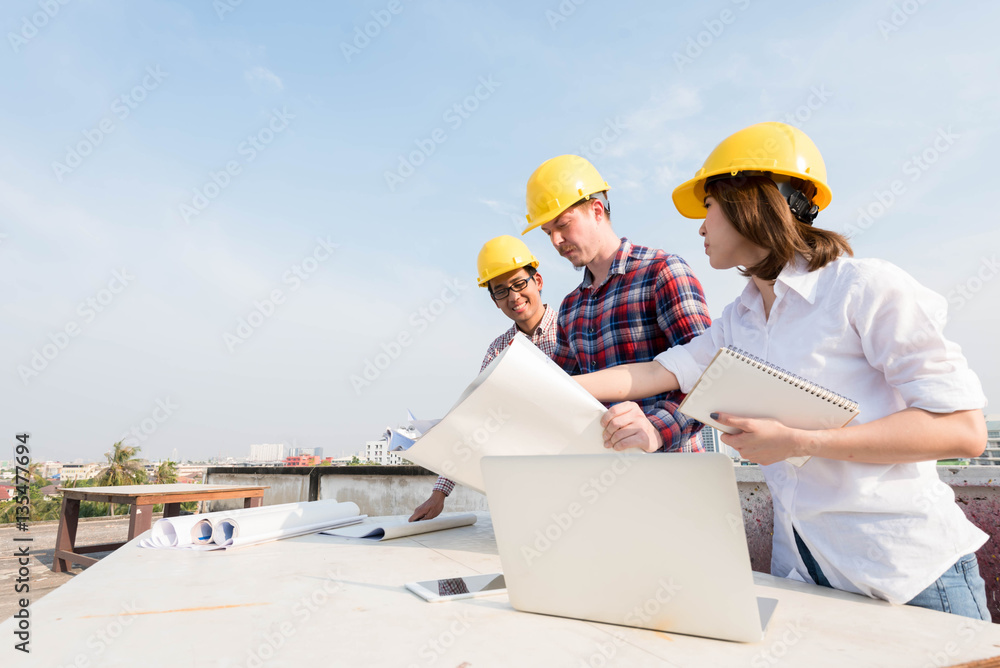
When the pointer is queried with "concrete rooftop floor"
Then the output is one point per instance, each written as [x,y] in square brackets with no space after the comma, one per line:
[91,531]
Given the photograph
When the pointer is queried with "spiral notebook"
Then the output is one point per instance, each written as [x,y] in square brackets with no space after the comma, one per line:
[741,384]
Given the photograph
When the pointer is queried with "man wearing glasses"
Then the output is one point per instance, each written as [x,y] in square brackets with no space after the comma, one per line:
[510,272]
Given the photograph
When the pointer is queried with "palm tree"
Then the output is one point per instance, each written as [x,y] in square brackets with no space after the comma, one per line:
[166,473]
[123,468]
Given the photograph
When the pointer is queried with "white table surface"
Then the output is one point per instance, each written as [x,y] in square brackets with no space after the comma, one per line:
[324,601]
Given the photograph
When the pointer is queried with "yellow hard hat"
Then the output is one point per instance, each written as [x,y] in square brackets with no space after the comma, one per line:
[775,149]
[500,255]
[558,184]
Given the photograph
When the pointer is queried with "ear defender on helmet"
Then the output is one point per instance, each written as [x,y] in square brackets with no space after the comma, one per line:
[802,208]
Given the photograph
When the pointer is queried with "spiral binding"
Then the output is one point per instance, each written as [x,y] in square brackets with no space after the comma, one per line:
[798,381]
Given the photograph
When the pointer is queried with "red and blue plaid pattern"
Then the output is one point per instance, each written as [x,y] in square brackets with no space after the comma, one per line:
[650,301]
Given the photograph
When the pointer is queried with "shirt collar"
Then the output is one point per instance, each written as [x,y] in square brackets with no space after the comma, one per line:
[618,265]
[548,320]
[794,276]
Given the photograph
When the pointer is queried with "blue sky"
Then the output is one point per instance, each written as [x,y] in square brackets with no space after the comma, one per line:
[183,166]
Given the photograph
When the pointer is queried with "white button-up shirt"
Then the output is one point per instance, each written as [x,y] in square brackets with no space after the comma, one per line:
[866,330]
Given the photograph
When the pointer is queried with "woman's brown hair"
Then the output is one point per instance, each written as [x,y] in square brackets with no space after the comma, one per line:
[753,206]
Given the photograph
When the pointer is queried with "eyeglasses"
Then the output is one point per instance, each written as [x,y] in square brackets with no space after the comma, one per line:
[516,286]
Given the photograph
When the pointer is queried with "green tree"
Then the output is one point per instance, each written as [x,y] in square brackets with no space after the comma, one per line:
[166,473]
[123,468]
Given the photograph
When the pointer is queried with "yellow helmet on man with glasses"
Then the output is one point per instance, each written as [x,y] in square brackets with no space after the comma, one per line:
[500,255]
[558,184]
[776,150]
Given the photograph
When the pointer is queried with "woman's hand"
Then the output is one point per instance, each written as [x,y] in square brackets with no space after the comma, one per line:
[763,440]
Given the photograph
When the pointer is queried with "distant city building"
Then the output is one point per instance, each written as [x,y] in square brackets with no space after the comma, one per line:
[298,452]
[303,460]
[378,451]
[191,472]
[991,457]
[79,471]
[50,470]
[267,452]
[710,438]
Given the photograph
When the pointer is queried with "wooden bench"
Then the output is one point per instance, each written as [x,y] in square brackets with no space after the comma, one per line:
[141,498]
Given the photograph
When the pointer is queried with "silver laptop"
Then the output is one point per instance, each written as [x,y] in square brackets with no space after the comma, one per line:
[654,541]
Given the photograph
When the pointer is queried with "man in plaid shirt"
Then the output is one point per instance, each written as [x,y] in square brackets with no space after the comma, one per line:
[518,293]
[633,303]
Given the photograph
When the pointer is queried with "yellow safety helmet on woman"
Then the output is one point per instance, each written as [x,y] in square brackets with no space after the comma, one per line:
[776,150]
[500,255]
[557,185]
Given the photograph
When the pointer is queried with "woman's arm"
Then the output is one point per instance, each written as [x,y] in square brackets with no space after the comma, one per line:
[628,382]
[910,435]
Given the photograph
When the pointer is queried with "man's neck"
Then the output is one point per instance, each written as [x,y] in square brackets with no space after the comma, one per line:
[530,327]
[601,265]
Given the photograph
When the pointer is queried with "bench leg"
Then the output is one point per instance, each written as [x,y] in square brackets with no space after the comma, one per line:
[140,518]
[253,501]
[171,509]
[69,517]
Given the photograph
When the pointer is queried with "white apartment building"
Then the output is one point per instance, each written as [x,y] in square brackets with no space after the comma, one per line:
[79,471]
[267,452]
[710,439]
[378,452]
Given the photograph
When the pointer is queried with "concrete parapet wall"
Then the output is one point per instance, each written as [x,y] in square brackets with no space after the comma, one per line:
[378,490]
[397,490]
[282,488]
[400,496]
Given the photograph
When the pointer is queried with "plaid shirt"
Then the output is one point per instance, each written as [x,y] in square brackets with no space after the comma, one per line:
[649,302]
[544,337]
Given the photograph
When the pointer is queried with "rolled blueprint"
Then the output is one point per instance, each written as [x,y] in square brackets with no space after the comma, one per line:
[301,517]
[247,526]
[179,531]
[389,528]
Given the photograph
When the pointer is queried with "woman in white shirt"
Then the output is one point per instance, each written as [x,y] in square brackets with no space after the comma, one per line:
[867,513]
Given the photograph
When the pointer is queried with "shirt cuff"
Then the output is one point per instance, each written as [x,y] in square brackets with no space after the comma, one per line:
[444,485]
[679,435]
[679,362]
[958,391]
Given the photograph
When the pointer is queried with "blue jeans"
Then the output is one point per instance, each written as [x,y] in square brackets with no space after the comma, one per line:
[961,590]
